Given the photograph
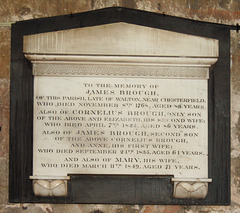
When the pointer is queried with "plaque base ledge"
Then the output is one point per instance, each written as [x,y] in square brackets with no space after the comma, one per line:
[192,179]
[36,177]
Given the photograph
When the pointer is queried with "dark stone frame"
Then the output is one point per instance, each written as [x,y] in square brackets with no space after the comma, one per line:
[118,189]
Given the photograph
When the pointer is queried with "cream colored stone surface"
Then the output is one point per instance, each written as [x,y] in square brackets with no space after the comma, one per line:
[190,190]
[50,188]
[91,125]
[62,147]
[120,39]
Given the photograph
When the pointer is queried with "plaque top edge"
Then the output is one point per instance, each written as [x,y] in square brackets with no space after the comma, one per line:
[123,60]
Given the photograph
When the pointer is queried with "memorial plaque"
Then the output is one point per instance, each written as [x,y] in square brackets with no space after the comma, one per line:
[89,125]
[115,113]
[119,106]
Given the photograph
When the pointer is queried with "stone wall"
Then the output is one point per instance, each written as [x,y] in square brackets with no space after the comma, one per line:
[218,11]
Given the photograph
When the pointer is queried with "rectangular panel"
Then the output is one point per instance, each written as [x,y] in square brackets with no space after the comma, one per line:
[128,126]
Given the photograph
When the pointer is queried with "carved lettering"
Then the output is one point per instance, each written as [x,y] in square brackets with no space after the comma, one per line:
[120,126]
